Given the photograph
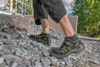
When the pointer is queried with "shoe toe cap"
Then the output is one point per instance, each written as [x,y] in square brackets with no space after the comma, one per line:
[56,50]
[31,36]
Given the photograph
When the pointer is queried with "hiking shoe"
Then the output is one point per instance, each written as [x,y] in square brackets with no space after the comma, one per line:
[67,47]
[43,38]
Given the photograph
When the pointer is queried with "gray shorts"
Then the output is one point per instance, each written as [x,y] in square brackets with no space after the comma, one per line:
[42,8]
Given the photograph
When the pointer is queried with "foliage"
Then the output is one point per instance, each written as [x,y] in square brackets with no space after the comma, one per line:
[88,12]
[19,7]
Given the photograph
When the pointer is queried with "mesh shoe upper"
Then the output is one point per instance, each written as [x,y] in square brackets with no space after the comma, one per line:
[66,46]
[42,37]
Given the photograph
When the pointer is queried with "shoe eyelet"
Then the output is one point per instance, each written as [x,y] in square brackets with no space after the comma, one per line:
[68,43]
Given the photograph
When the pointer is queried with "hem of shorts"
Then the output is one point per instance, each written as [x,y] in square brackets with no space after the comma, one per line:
[61,17]
[37,21]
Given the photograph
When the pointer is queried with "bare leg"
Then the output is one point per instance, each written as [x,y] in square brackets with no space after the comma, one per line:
[45,25]
[66,26]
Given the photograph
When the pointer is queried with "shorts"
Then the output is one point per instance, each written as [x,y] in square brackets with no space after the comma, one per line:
[54,8]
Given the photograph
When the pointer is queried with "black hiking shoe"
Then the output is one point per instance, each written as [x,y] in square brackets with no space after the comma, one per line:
[43,38]
[67,47]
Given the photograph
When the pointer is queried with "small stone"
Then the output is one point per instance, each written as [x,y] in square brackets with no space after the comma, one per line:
[28,34]
[17,53]
[29,66]
[12,25]
[37,64]
[3,64]
[14,35]
[55,64]
[8,42]
[0,29]
[26,61]
[37,58]
[88,50]
[21,65]
[1,60]
[17,60]
[8,37]
[96,61]
[61,65]
[53,45]
[8,60]
[77,65]
[45,62]
[28,47]
[10,48]
[21,36]
[53,40]
[32,61]
[14,65]
[53,59]
[5,28]
[40,46]
[68,61]
[1,54]
[1,43]
[33,43]
[6,66]
[46,53]
[1,47]
[61,61]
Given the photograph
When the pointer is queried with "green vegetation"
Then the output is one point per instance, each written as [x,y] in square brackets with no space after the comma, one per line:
[88,12]
[19,7]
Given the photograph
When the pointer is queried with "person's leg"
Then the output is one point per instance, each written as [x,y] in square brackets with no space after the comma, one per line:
[44,37]
[45,25]
[41,18]
[71,43]
[66,26]
[57,12]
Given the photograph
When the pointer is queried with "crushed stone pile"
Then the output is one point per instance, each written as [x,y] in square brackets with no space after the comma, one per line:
[17,50]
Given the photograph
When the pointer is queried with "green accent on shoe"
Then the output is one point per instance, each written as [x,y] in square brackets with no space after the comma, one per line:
[51,37]
[43,34]
[39,37]
[68,48]
[79,36]
[35,36]
[71,40]
[62,51]
[68,43]
[65,50]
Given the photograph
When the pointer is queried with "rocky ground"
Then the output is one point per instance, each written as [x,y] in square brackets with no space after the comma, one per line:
[17,50]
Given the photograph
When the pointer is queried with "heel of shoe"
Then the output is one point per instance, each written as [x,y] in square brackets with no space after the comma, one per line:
[49,41]
[80,49]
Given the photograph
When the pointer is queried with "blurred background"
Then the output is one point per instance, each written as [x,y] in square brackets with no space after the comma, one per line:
[88,12]
[19,6]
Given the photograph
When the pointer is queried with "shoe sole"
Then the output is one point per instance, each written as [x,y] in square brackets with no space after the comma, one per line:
[70,52]
[41,41]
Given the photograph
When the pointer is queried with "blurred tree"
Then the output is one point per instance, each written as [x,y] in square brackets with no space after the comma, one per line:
[88,12]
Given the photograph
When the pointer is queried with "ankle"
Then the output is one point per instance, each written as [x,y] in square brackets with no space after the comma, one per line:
[45,32]
[73,38]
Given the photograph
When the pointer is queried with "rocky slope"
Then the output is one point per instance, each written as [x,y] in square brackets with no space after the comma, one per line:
[17,50]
